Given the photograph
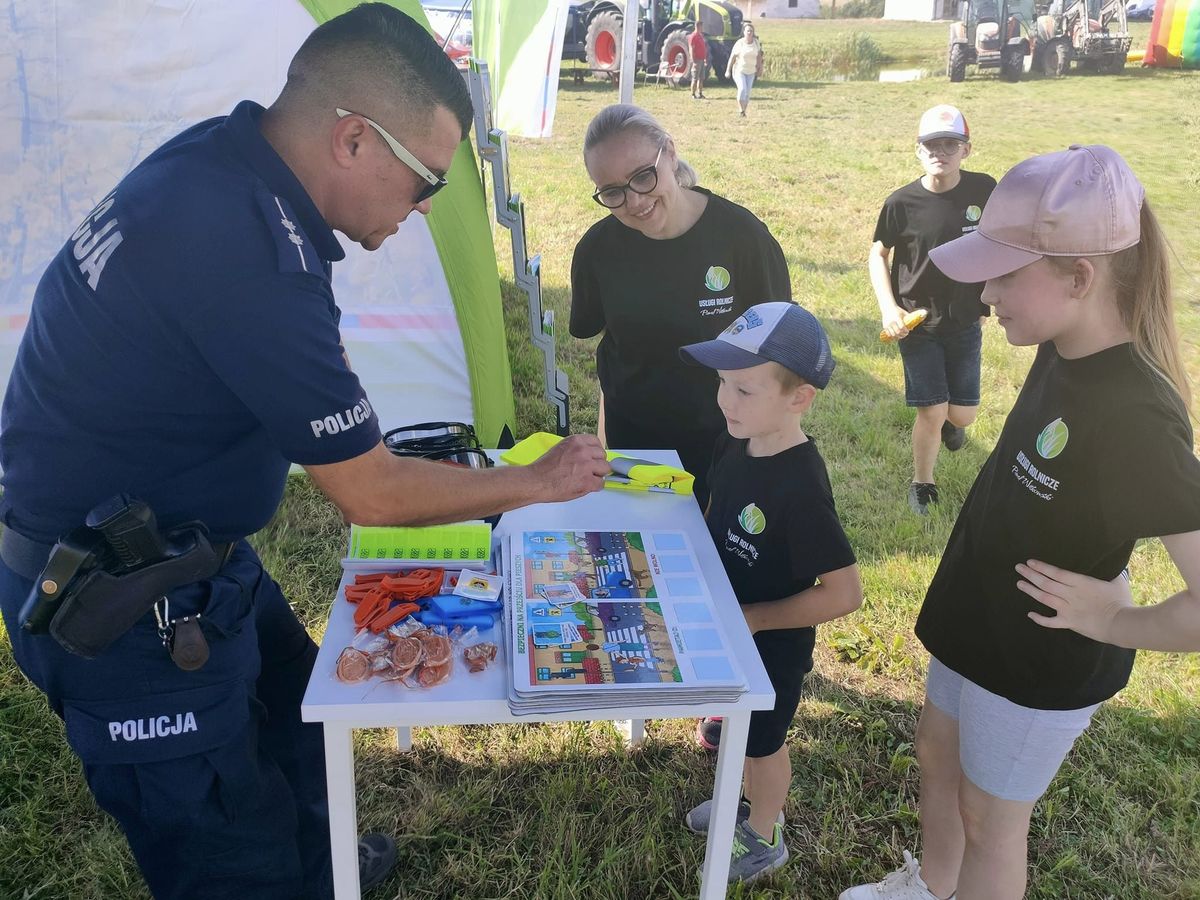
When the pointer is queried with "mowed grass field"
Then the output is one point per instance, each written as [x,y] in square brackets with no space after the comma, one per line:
[564,811]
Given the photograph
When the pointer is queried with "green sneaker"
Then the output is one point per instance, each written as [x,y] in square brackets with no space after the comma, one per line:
[752,856]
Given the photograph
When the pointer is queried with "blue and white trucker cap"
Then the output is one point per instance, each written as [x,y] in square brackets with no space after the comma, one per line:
[769,332]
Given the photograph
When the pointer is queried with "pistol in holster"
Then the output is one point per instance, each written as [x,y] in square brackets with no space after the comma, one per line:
[102,577]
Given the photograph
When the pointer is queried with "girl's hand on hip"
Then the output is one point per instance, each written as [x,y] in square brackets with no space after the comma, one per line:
[1083,604]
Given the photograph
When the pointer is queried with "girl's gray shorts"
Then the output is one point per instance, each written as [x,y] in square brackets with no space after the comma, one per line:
[1009,751]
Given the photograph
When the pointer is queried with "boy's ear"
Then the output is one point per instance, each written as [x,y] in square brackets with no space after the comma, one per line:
[802,398]
[966,149]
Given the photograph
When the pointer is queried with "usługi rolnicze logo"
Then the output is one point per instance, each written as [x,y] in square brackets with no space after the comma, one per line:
[752,521]
[717,278]
[1050,443]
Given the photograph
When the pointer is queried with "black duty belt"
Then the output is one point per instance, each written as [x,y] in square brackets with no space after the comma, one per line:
[27,557]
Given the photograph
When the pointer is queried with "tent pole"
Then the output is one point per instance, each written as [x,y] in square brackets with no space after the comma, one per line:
[629,50]
[457,19]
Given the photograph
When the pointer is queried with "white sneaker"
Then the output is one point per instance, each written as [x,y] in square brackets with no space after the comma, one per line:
[903,884]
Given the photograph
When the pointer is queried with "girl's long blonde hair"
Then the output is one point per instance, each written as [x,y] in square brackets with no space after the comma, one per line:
[625,118]
[1141,277]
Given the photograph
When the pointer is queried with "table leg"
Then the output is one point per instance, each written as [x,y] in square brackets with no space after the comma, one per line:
[404,739]
[633,731]
[726,793]
[343,816]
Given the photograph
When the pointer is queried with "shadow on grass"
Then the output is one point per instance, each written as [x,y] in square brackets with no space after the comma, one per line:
[565,811]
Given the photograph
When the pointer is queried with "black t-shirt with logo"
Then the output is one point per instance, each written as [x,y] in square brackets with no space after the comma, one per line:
[774,523]
[912,222]
[1096,453]
[650,297]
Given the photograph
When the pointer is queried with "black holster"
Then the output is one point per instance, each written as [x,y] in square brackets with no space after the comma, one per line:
[102,606]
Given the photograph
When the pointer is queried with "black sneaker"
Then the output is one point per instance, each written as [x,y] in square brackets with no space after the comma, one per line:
[953,436]
[376,859]
[920,495]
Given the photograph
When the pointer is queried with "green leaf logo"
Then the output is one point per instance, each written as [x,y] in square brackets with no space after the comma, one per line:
[1053,439]
[974,213]
[717,278]
[752,519]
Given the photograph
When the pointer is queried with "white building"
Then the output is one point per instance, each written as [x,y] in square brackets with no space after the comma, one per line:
[779,9]
[919,10]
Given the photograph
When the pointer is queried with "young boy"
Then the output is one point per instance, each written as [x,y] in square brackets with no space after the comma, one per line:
[772,517]
[941,355]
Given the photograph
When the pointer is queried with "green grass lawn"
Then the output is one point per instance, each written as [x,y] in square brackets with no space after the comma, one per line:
[562,811]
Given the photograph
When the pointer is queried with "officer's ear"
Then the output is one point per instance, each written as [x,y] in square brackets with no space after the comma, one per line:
[348,141]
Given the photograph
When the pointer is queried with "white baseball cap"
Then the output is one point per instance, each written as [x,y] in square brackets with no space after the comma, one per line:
[943,121]
[1082,201]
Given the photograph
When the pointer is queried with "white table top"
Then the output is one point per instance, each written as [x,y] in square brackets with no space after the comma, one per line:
[480,698]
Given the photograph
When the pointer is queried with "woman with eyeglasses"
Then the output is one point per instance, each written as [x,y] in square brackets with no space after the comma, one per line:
[671,264]
[745,64]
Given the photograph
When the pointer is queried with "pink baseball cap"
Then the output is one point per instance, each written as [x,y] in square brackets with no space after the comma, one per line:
[1082,201]
[943,121]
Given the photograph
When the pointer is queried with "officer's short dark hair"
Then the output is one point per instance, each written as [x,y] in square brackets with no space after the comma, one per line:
[384,52]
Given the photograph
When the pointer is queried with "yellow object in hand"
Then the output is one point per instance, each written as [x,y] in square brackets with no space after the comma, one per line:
[911,321]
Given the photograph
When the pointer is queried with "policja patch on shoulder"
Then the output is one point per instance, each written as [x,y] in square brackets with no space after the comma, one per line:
[296,252]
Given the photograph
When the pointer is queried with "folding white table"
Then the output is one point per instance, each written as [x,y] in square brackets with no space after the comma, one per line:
[482,698]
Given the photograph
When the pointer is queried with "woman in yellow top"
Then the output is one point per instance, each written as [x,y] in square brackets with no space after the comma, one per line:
[745,64]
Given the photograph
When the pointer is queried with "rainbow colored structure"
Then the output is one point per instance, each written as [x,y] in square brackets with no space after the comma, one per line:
[1175,35]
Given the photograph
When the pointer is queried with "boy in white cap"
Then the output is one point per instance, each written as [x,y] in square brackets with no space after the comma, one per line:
[772,517]
[940,355]
[1096,455]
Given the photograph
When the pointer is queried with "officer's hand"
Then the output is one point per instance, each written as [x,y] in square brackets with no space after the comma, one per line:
[893,323]
[574,467]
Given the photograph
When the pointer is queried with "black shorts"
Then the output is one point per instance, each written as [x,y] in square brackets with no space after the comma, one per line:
[942,367]
[787,656]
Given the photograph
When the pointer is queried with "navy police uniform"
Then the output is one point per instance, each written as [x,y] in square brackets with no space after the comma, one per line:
[183,348]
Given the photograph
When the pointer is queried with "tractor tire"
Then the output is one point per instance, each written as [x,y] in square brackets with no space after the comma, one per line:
[718,59]
[603,43]
[675,59]
[1115,64]
[956,67]
[1012,65]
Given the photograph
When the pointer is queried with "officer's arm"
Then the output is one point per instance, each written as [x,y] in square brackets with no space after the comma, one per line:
[378,488]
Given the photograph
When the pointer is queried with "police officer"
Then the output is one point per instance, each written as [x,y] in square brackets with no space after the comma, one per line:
[183,348]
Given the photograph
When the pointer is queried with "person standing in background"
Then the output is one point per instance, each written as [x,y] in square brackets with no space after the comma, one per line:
[745,64]
[698,47]
[941,355]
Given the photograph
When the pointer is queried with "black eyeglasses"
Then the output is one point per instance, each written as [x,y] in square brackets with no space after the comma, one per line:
[643,181]
[433,182]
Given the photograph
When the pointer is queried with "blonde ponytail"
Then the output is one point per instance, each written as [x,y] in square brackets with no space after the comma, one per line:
[1142,277]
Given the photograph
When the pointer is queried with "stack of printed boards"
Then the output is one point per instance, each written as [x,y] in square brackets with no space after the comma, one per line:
[608,619]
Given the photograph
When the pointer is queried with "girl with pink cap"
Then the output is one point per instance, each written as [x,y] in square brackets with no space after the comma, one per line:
[1029,619]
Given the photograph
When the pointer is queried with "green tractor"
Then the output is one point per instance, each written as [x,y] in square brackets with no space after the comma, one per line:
[595,27]
[1093,33]
[991,34]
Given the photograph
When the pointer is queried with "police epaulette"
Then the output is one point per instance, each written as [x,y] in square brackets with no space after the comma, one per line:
[296,252]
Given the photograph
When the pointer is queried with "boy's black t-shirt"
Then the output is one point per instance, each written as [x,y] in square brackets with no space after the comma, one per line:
[650,297]
[912,222]
[1096,453]
[774,523]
